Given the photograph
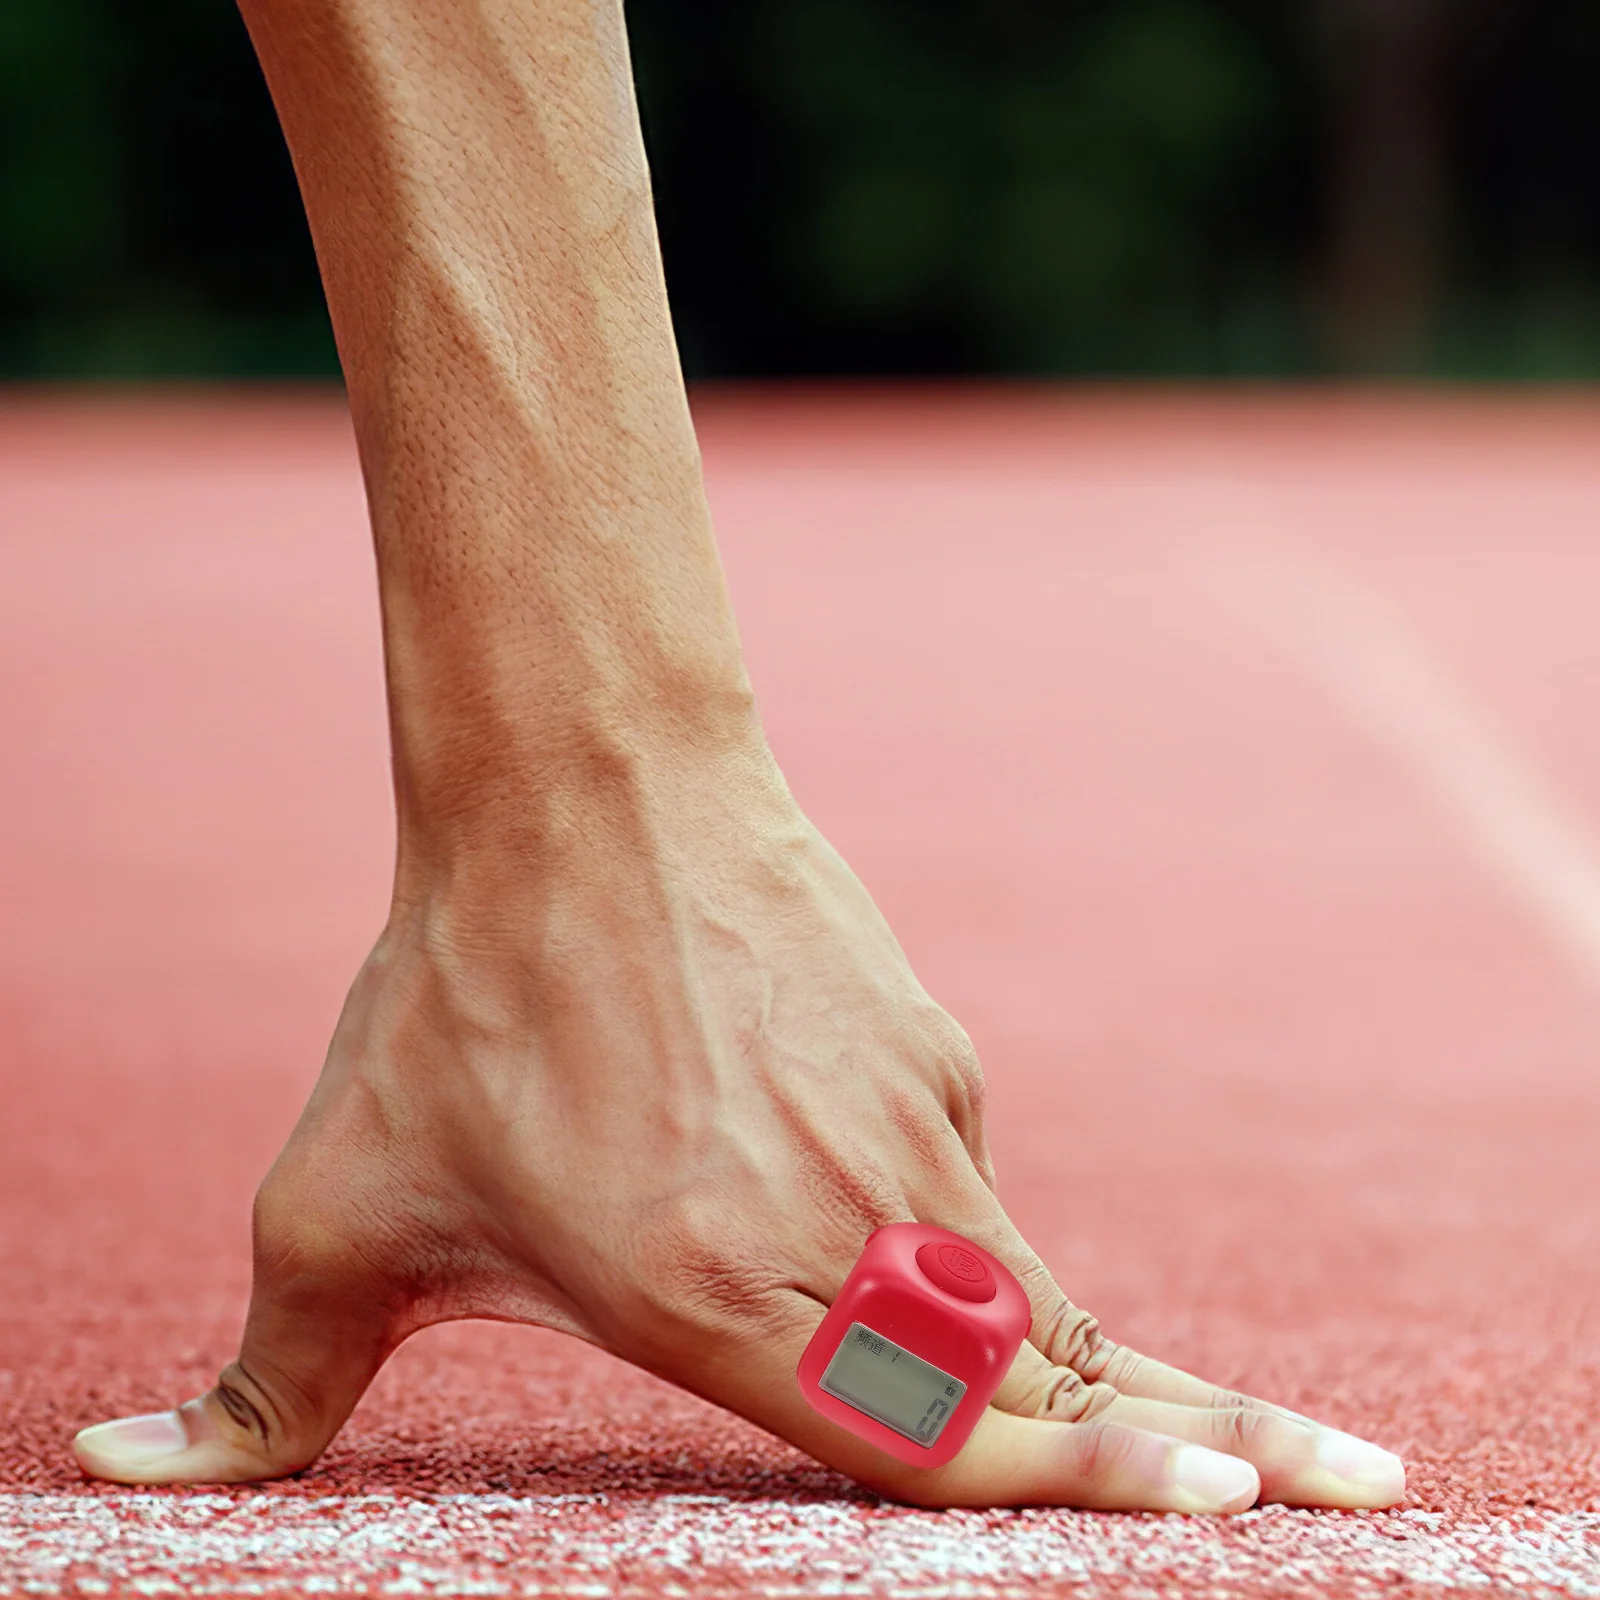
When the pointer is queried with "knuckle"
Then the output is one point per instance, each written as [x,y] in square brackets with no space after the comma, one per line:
[288,1238]
[972,1099]
[1216,1395]
[962,1070]
[1231,1400]
[1072,1338]
[1110,1362]
[952,1072]
[1240,1429]
[371,1265]
[1067,1398]
[251,1410]
[303,1236]
[266,1414]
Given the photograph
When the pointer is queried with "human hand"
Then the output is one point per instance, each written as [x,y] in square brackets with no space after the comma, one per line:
[649,1072]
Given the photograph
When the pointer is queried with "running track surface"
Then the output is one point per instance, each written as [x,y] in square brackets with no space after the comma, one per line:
[1230,767]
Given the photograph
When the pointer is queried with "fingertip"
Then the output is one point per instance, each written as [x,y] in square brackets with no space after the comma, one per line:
[180,1446]
[141,1449]
[1351,1474]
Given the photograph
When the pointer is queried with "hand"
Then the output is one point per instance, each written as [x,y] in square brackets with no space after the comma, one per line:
[649,1074]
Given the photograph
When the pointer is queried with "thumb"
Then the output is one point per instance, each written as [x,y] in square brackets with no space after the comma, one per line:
[318,1330]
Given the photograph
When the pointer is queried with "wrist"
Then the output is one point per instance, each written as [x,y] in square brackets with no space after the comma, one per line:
[521,789]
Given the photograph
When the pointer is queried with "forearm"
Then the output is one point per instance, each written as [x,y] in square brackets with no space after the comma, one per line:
[477,189]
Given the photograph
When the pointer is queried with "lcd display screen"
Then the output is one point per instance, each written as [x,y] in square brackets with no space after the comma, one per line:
[892,1386]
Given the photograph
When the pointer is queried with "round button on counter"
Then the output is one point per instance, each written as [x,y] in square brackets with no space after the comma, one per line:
[957,1271]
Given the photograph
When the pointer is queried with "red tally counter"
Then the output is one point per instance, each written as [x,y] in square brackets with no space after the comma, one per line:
[916,1344]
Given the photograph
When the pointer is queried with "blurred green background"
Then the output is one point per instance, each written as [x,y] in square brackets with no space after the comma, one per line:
[1074,187]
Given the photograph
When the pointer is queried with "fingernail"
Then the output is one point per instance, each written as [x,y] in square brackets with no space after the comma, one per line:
[1213,1481]
[1364,1465]
[131,1443]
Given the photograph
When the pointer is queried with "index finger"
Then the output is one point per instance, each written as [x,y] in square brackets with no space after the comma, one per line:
[1068,1336]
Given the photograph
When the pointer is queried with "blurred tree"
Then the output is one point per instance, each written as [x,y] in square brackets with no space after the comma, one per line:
[149,221]
[1524,256]
[897,186]
[1033,187]
[1071,186]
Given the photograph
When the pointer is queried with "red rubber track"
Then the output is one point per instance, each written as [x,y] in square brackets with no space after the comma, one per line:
[1231,767]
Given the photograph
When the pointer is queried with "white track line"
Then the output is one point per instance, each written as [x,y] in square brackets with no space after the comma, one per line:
[1363,653]
[263,1543]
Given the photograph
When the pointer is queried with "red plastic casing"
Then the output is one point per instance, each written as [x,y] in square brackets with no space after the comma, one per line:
[974,1340]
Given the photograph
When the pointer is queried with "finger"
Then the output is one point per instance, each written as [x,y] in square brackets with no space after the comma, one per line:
[1131,1373]
[1069,1369]
[316,1335]
[1071,1337]
[1009,1460]
[1319,1465]
[1095,1466]
[1299,1463]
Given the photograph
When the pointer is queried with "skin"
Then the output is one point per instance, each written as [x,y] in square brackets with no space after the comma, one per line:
[635,1057]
